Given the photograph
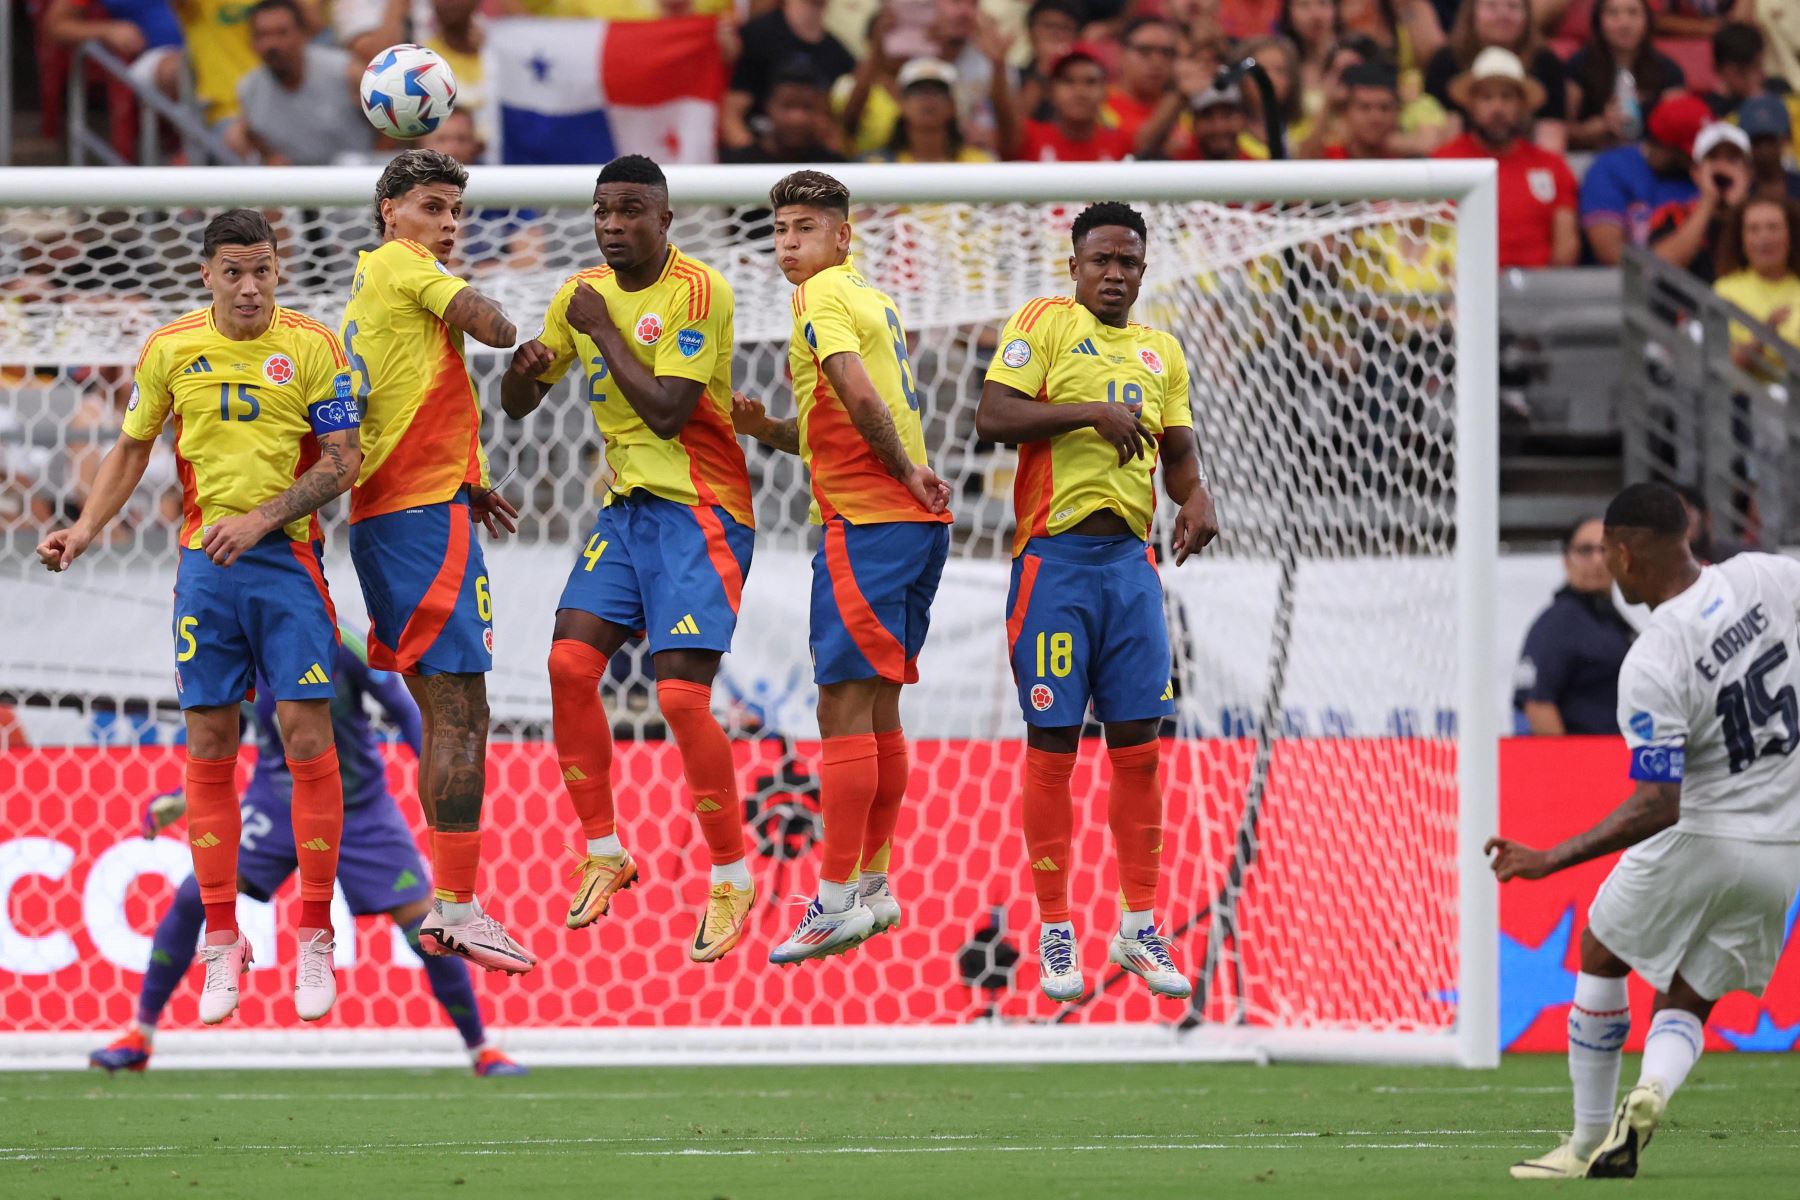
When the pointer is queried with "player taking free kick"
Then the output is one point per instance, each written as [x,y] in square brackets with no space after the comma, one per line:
[882,548]
[1697,905]
[1089,396]
[266,431]
[423,488]
[652,330]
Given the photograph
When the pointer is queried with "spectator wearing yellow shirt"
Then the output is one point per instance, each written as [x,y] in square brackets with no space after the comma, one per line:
[1759,271]
[219,53]
[928,129]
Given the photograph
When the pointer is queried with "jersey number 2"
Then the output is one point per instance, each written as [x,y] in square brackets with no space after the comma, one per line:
[1745,705]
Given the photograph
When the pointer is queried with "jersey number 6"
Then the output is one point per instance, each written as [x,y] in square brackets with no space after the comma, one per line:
[907,385]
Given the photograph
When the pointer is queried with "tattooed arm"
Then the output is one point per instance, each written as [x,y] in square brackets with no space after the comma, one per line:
[850,380]
[480,318]
[750,418]
[340,458]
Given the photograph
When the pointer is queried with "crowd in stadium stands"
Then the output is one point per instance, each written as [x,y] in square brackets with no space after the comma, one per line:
[1684,106]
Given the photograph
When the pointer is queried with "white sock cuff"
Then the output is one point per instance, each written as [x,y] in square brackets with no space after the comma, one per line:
[1600,994]
[1600,1018]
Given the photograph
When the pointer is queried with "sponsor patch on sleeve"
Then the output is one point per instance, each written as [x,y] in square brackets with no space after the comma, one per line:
[689,342]
[1017,353]
[1642,726]
[340,386]
[1658,764]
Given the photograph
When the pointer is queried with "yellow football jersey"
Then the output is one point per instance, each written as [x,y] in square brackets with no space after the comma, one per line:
[837,311]
[246,413]
[1055,350]
[680,326]
[421,416]
[218,47]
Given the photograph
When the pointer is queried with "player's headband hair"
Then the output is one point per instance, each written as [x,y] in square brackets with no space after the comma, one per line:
[811,189]
[239,227]
[1653,507]
[415,168]
[1107,212]
[634,168]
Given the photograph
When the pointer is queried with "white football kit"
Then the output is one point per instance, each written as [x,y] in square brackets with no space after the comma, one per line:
[1709,698]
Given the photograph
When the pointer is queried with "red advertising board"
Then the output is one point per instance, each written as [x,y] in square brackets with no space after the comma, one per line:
[1347,915]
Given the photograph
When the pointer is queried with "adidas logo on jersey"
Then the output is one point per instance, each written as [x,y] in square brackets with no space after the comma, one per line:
[707,805]
[206,841]
[686,625]
[315,674]
[1086,346]
[1045,864]
[319,844]
[198,367]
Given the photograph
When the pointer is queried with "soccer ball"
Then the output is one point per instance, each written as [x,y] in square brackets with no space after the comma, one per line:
[407,90]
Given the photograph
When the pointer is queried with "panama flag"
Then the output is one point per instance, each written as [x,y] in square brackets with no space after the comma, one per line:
[578,91]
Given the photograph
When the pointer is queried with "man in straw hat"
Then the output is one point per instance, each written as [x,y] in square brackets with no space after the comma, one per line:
[1537,189]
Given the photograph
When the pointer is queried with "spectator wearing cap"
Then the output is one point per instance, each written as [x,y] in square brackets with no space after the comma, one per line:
[1537,189]
[1567,680]
[1766,122]
[792,33]
[1221,126]
[1618,40]
[1503,24]
[928,130]
[1638,194]
[969,40]
[1052,27]
[796,116]
[1371,114]
[1075,132]
[1147,54]
[1722,173]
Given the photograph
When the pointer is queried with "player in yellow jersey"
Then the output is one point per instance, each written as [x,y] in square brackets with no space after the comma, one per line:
[266,431]
[1091,399]
[652,334]
[423,489]
[881,551]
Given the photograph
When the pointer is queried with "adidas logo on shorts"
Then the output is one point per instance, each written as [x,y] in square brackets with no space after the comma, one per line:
[686,625]
[315,674]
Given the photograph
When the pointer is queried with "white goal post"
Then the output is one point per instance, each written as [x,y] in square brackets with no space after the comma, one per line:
[1332,774]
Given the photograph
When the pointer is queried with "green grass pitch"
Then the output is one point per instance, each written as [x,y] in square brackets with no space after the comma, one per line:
[874,1133]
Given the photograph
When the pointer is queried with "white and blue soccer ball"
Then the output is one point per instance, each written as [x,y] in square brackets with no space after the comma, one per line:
[407,90]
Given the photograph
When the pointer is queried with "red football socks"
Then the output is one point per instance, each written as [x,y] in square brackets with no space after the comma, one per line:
[213,830]
[849,777]
[893,768]
[584,746]
[1134,810]
[706,762]
[455,863]
[318,815]
[1049,827]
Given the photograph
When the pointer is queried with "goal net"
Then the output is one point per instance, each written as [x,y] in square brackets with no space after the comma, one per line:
[1329,775]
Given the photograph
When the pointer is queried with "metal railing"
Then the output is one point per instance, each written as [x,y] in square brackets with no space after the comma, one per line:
[201,145]
[1691,415]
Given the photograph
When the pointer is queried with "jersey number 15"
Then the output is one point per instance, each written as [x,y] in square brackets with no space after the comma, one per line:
[1745,705]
